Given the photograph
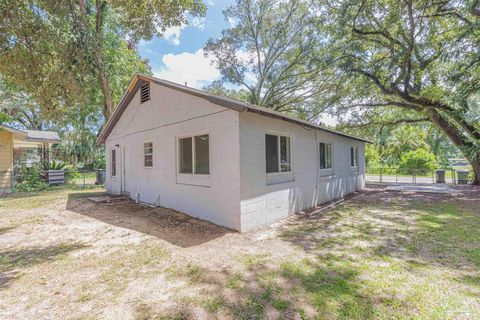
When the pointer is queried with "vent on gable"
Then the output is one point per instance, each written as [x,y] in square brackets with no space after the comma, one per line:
[145,92]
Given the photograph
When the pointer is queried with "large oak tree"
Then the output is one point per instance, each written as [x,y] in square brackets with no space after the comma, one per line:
[271,51]
[421,57]
[58,51]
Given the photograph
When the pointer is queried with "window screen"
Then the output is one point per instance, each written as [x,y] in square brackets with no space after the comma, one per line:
[186,155]
[285,154]
[202,165]
[114,163]
[194,154]
[148,154]
[325,150]
[271,153]
[354,156]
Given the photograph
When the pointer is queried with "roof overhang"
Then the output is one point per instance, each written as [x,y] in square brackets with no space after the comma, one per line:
[32,135]
[236,105]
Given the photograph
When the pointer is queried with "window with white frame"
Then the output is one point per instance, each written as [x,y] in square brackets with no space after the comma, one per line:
[277,153]
[148,154]
[354,156]
[113,163]
[194,154]
[325,150]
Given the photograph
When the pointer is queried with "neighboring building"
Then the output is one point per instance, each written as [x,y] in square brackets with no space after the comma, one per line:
[226,161]
[21,148]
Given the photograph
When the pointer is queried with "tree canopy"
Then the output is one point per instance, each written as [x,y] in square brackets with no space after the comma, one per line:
[391,70]
[272,52]
[62,52]
[420,57]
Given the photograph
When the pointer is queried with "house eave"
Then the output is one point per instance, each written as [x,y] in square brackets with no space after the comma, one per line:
[236,105]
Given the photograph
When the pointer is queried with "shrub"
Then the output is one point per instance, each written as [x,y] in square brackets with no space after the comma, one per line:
[30,179]
[420,160]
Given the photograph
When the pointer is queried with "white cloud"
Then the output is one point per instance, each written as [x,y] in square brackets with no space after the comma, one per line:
[192,68]
[172,34]
[199,22]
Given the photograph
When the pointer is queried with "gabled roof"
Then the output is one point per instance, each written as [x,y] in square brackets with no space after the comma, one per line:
[236,105]
[34,135]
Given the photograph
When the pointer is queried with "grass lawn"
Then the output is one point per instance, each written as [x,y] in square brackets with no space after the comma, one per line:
[379,255]
[87,178]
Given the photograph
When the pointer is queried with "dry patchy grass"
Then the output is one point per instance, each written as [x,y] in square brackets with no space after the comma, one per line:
[378,256]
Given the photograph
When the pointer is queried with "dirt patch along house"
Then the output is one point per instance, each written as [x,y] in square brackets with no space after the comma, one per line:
[235,164]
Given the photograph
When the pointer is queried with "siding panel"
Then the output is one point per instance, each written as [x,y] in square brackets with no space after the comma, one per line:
[6,160]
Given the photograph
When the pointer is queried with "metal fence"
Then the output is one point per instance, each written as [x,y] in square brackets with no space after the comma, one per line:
[420,176]
[83,177]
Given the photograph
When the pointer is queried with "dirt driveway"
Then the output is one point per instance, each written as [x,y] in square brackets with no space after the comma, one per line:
[378,255]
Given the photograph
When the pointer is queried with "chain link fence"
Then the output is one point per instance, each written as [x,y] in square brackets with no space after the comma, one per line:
[82,167]
[385,174]
[11,181]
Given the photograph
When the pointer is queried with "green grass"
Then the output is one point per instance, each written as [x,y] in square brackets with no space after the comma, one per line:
[368,260]
[88,178]
[382,256]
[398,268]
[52,196]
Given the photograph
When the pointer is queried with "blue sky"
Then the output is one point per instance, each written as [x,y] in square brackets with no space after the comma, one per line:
[178,55]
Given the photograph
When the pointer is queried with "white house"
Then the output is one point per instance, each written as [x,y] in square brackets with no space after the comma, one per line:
[226,161]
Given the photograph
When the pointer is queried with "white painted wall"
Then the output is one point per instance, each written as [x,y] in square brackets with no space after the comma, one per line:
[269,197]
[168,115]
[237,193]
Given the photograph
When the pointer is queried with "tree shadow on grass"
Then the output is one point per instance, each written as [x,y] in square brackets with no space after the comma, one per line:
[12,261]
[269,289]
[433,228]
[4,230]
[411,232]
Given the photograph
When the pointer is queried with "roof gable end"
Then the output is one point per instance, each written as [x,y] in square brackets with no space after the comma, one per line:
[236,105]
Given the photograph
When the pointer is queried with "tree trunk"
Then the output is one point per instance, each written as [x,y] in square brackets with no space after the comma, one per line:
[476,172]
[100,7]
[104,83]
[459,140]
[107,96]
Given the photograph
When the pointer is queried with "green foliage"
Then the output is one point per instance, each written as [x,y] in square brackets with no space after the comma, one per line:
[71,171]
[65,64]
[390,143]
[66,53]
[419,58]
[99,162]
[420,159]
[217,88]
[30,179]
[3,117]
[372,158]
[272,52]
